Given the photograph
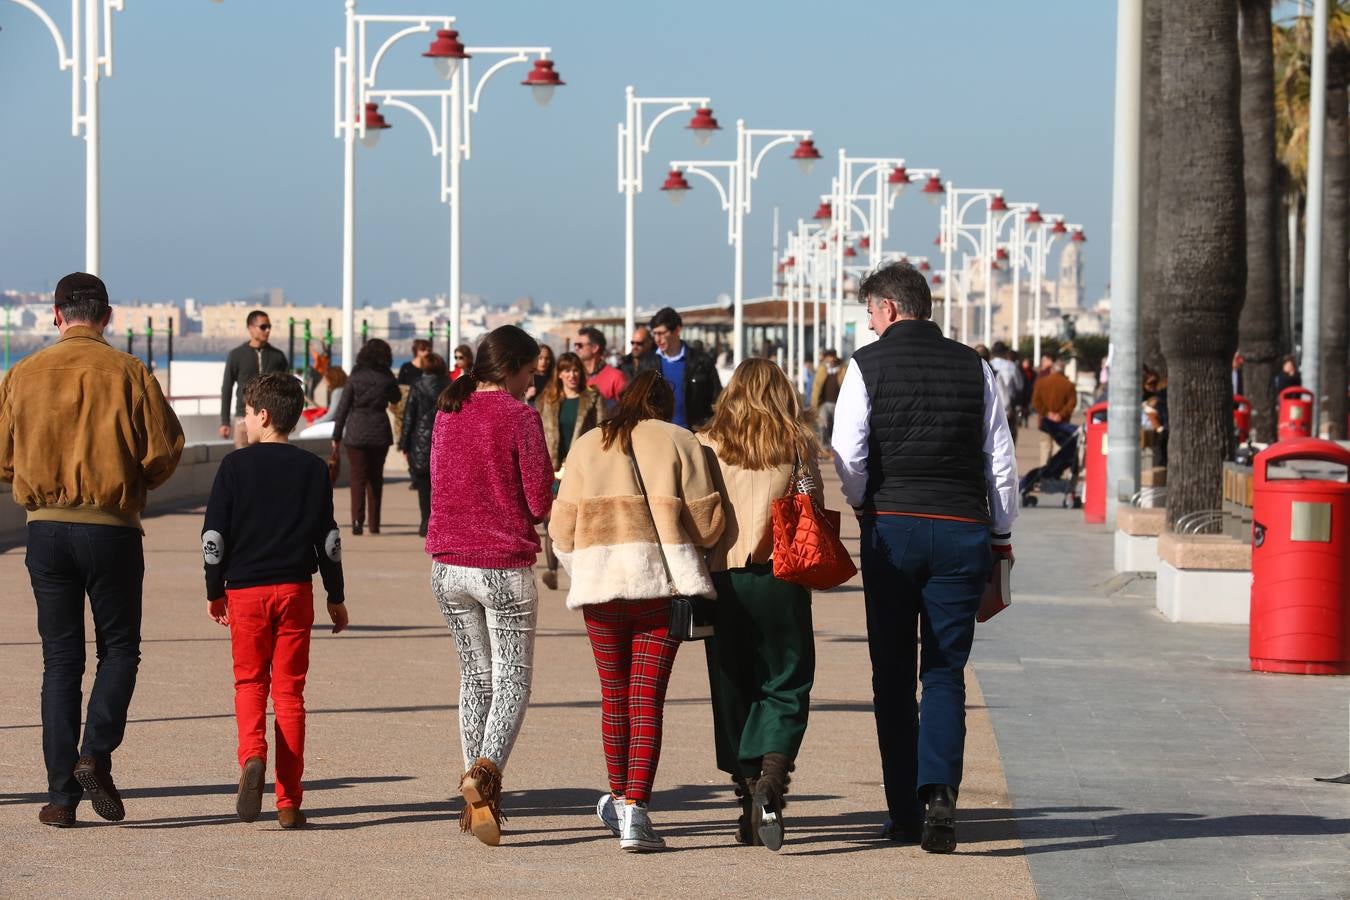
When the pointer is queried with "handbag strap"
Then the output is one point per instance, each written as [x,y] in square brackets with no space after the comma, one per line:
[660,548]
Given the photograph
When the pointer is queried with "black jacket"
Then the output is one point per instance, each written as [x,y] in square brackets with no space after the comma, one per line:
[419,420]
[702,385]
[363,412]
[241,367]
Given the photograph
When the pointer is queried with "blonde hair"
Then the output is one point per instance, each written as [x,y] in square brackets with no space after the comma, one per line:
[759,422]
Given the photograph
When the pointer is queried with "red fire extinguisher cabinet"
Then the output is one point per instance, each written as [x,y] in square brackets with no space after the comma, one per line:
[1300,612]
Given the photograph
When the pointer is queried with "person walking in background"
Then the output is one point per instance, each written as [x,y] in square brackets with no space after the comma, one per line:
[924,456]
[617,553]
[691,373]
[491,485]
[335,380]
[269,527]
[244,363]
[411,371]
[641,345]
[1008,379]
[1055,398]
[568,408]
[1287,377]
[606,379]
[463,359]
[825,392]
[362,423]
[543,376]
[84,433]
[419,419]
[761,659]
[1238,362]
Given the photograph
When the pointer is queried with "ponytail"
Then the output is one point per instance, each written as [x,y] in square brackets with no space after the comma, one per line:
[457,392]
[503,353]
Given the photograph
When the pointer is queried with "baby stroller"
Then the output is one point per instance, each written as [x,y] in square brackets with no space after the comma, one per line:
[1049,478]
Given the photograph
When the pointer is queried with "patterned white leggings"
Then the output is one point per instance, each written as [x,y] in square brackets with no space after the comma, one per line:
[492,614]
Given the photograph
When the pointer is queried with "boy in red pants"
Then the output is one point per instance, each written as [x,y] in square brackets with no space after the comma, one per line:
[269,526]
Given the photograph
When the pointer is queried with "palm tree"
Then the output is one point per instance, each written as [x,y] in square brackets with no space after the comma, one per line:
[1201,242]
[1259,325]
[1150,309]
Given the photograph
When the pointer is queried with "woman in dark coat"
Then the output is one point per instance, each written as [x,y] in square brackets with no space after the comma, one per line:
[419,420]
[362,424]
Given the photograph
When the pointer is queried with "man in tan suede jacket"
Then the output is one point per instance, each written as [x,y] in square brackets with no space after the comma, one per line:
[85,432]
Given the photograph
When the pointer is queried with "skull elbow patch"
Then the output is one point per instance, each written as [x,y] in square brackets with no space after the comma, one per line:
[332,545]
[213,547]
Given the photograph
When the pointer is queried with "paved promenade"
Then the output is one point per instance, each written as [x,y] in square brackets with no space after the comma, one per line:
[1110,754]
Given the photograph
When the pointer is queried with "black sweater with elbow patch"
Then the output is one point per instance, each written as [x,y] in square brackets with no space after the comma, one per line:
[270,521]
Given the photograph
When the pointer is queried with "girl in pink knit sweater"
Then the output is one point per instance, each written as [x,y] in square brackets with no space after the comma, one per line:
[491,484]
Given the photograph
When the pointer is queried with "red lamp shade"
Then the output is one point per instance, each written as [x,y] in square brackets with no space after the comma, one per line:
[824,212]
[806,155]
[824,245]
[543,80]
[703,124]
[1059,227]
[791,261]
[1078,237]
[933,187]
[865,242]
[446,51]
[924,266]
[997,204]
[937,278]
[937,241]
[1002,254]
[374,123]
[903,259]
[675,185]
[993,265]
[849,252]
[1034,218]
[898,178]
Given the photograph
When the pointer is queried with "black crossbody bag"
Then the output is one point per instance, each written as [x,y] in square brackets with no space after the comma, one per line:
[691,618]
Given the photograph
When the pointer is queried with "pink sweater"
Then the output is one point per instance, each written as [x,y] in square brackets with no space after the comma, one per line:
[491,483]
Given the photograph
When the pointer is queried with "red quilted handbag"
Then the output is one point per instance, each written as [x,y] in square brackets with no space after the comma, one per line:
[806,545]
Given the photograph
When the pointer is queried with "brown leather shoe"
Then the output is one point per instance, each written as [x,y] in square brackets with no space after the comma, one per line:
[291,817]
[98,786]
[249,802]
[57,816]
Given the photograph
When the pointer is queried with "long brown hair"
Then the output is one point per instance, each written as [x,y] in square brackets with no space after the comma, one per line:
[649,397]
[568,361]
[759,422]
[503,353]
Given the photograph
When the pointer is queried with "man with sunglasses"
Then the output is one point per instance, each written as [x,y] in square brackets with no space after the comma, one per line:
[246,362]
[642,344]
[607,380]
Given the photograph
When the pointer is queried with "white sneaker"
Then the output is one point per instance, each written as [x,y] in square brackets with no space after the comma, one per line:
[638,836]
[608,811]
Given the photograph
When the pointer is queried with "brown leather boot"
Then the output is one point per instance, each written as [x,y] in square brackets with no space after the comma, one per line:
[291,817]
[746,833]
[248,801]
[770,797]
[481,787]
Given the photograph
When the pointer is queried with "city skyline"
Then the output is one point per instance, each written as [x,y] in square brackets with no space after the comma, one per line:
[225,178]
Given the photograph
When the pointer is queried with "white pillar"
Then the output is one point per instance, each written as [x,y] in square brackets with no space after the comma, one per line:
[945,233]
[628,172]
[738,275]
[92,22]
[1312,242]
[1037,277]
[456,206]
[1122,462]
[1019,228]
[349,107]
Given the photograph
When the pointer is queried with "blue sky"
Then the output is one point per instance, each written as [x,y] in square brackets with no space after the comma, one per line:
[221,174]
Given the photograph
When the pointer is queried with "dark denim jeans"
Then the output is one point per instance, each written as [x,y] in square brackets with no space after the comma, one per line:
[65,562]
[922,582]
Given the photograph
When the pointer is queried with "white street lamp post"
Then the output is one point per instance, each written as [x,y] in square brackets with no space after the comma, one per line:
[1016,213]
[635,142]
[90,56]
[955,227]
[735,197]
[451,142]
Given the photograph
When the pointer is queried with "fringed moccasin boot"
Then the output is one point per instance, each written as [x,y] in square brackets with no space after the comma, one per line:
[770,792]
[481,787]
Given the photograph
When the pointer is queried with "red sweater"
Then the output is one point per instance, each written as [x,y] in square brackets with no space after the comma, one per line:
[491,483]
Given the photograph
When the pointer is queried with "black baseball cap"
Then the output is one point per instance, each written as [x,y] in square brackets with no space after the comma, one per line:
[81,286]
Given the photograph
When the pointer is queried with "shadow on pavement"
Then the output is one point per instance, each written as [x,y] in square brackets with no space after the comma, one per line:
[202,790]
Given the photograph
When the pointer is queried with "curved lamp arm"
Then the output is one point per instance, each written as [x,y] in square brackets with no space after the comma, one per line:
[701,169]
[421,28]
[66,60]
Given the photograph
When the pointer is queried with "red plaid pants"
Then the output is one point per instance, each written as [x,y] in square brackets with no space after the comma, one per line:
[634,656]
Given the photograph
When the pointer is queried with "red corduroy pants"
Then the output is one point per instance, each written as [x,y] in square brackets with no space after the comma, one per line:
[634,656]
[269,638]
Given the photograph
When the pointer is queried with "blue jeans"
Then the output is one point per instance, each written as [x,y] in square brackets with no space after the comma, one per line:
[924,575]
[65,561]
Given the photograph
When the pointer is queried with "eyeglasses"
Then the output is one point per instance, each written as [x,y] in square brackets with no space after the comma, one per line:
[581,345]
[660,333]
[638,343]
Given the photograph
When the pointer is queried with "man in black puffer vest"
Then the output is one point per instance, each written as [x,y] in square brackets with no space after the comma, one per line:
[926,459]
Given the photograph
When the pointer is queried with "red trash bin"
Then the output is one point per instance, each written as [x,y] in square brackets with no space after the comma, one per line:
[1295,413]
[1094,466]
[1300,613]
[1242,417]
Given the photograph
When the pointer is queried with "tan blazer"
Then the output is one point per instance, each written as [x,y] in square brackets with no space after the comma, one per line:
[747,498]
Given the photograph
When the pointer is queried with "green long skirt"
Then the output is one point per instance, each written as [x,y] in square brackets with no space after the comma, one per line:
[761,665]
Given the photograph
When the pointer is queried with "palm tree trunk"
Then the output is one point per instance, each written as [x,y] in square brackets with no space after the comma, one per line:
[1259,325]
[1335,247]
[1201,243]
[1150,308]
